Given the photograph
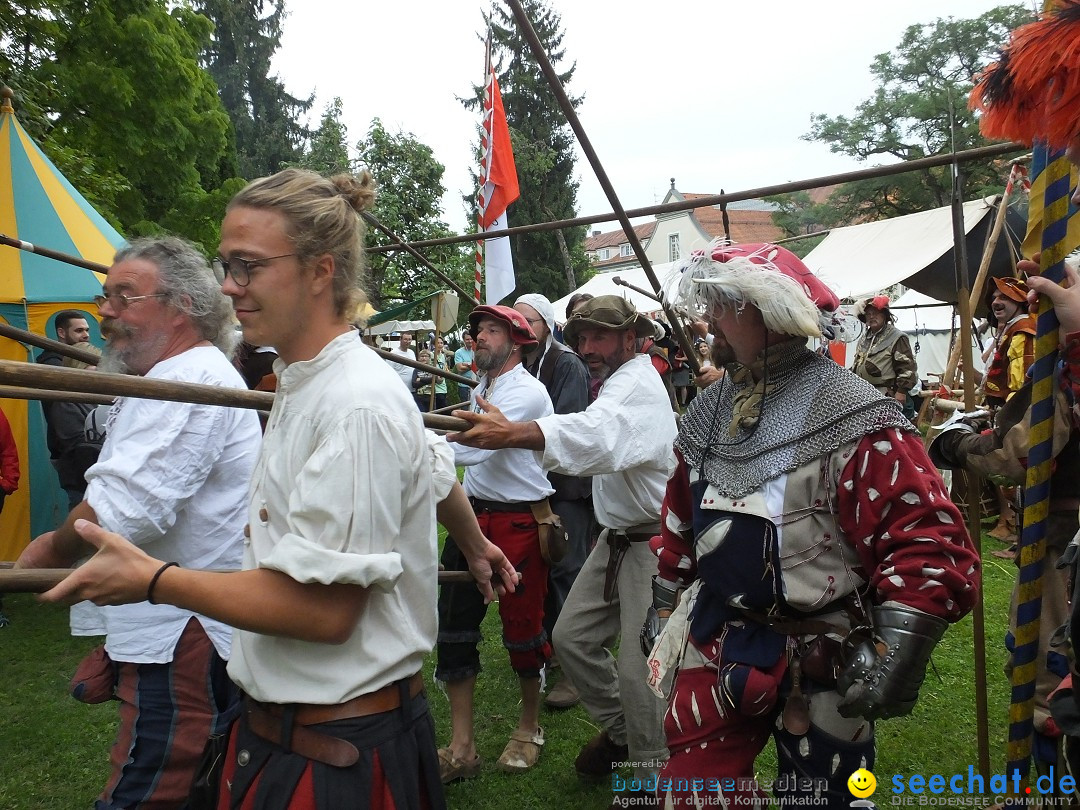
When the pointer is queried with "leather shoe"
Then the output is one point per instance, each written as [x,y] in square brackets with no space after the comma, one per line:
[522,752]
[598,758]
[451,769]
[562,696]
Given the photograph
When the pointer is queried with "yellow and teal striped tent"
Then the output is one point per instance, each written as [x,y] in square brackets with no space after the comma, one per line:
[38,205]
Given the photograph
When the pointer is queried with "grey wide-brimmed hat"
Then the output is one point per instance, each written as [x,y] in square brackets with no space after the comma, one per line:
[606,312]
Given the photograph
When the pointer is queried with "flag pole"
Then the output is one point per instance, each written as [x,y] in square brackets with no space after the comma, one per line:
[677,329]
[485,153]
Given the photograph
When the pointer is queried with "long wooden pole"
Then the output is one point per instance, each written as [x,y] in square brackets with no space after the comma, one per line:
[39,580]
[97,382]
[966,156]
[678,331]
[974,482]
[439,372]
[42,342]
[45,395]
[67,258]
[949,377]
[402,245]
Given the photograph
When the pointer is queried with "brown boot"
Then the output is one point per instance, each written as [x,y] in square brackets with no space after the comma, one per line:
[599,757]
[562,696]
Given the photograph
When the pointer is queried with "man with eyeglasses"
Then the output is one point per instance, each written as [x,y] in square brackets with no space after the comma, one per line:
[173,478]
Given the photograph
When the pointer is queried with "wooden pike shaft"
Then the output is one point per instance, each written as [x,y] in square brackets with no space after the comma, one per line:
[42,342]
[981,153]
[438,372]
[16,392]
[39,580]
[637,289]
[678,331]
[123,385]
[30,247]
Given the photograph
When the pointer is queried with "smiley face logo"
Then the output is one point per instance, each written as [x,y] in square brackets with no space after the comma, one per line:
[861,783]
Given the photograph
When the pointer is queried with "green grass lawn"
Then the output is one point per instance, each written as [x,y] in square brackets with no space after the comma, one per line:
[53,750]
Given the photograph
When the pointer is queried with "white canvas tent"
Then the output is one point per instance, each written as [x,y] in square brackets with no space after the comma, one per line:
[862,260]
[389,327]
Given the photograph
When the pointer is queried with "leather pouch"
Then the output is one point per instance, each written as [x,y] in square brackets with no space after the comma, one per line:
[822,659]
[553,540]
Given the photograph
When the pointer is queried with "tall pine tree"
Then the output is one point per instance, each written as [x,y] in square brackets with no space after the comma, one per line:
[551,262]
[264,115]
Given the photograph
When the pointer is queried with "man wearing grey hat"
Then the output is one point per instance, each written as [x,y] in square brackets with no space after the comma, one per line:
[564,375]
[624,441]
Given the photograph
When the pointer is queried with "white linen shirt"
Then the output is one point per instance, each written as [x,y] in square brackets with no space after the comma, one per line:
[511,475]
[403,371]
[343,492]
[624,440]
[172,478]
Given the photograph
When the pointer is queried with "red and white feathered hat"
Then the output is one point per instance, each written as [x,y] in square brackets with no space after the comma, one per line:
[791,299]
[1033,90]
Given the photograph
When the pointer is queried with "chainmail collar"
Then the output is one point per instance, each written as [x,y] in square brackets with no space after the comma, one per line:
[808,406]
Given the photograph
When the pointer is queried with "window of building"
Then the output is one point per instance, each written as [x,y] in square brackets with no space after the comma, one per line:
[624,249]
[673,247]
[602,254]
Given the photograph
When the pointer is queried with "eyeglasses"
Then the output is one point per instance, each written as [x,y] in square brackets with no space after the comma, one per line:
[119,301]
[240,269]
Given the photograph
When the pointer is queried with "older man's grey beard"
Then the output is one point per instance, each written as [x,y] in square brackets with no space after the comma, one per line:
[112,361]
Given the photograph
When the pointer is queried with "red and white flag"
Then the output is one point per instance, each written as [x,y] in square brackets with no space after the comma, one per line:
[498,188]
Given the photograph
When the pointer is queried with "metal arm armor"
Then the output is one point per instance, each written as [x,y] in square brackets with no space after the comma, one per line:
[665,595]
[883,673]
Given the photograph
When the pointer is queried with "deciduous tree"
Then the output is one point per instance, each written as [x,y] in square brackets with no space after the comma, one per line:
[918,109]
[409,190]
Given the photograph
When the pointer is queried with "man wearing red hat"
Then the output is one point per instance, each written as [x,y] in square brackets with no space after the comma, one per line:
[623,440]
[509,494]
[809,560]
[883,357]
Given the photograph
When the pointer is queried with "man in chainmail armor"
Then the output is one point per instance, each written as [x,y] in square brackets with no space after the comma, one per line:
[809,560]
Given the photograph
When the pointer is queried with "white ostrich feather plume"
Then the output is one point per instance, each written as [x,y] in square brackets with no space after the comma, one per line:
[784,303]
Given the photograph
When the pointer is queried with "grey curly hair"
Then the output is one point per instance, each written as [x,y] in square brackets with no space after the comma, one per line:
[189,286]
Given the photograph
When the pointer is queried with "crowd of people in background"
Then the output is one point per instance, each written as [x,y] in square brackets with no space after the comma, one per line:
[772,558]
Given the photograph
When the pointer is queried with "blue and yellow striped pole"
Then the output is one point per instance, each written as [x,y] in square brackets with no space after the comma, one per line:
[1051,185]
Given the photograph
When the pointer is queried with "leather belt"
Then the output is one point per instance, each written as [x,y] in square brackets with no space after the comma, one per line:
[619,541]
[287,724]
[480,505]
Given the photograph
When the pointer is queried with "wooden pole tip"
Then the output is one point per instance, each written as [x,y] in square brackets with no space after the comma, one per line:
[7,94]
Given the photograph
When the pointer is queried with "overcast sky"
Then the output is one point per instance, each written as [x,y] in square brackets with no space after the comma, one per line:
[714,94]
